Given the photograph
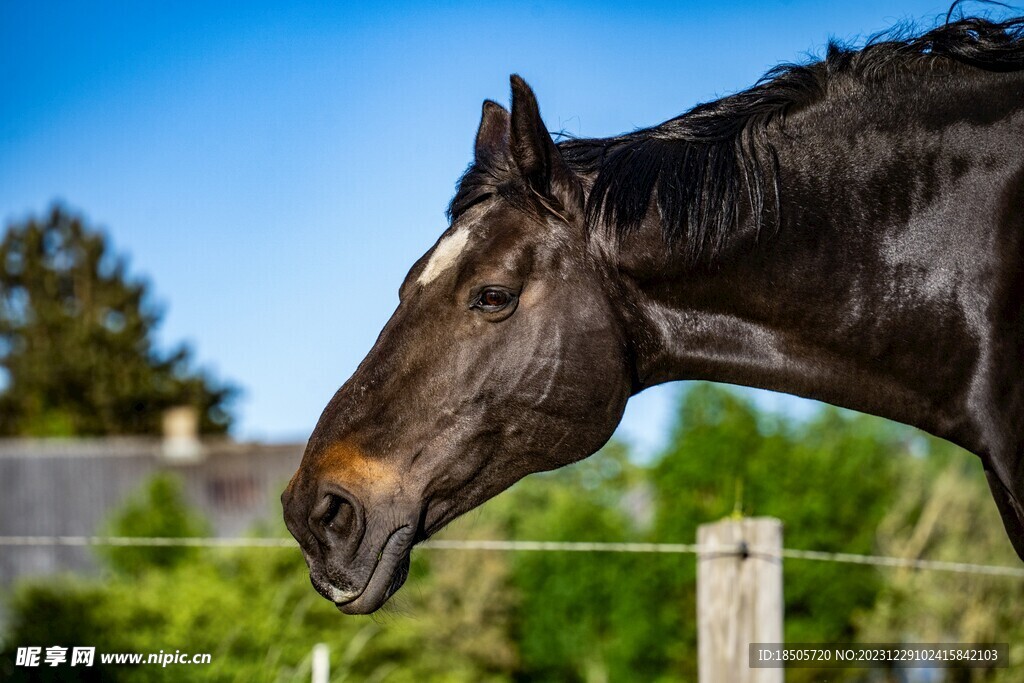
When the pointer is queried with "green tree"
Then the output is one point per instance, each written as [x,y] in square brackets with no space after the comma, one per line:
[586,616]
[76,350]
[830,480]
[945,512]
[158,511]
[839,481]
[255,613]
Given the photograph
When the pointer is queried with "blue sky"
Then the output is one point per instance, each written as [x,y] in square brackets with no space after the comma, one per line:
[274,171]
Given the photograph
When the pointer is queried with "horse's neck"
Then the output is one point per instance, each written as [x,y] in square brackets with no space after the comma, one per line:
[875,292]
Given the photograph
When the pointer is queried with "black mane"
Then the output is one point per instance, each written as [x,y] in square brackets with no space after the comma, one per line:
[699,166]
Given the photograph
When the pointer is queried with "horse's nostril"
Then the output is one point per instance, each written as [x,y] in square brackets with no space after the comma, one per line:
[333,505]
[335,513]
[336,519]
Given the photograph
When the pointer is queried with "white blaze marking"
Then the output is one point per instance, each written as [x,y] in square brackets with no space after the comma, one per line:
[445,255]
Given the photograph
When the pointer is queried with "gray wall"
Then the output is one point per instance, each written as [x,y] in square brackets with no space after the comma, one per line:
[68,488]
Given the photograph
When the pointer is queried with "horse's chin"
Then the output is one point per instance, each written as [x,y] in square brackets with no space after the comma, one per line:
[369,602]
[388,575]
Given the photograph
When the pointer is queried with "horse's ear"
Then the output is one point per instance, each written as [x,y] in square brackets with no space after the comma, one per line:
[492,135]
[536,155]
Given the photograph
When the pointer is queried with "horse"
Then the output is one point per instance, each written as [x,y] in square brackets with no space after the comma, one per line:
[848,230]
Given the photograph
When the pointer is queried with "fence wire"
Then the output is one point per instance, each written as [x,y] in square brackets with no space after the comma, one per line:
[542,546]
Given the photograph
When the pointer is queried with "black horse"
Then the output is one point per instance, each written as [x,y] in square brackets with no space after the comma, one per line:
[849,230]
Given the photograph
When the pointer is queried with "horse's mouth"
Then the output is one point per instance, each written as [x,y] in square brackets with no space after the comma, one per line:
[389,573]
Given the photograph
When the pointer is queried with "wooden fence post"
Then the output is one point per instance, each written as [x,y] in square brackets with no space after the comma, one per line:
[739,598]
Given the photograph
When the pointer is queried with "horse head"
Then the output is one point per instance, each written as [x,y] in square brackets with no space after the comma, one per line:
[504,357]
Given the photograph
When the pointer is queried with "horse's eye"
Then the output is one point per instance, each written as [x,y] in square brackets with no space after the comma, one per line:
[493,299]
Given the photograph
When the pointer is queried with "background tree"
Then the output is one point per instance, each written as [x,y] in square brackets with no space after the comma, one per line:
[945,512]
[830,480]
[160,510]
[588,616]
[838,480]
[254,611]
[76,350]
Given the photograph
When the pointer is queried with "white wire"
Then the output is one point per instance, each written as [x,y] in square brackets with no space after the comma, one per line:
[537,546]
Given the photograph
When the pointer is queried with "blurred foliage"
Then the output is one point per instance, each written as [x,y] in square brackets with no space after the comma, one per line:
[77,356]
[158,511]
[946,513]
[587,616]
[839,481]
[829,479]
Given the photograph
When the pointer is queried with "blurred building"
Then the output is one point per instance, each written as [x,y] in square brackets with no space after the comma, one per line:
[55,487]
